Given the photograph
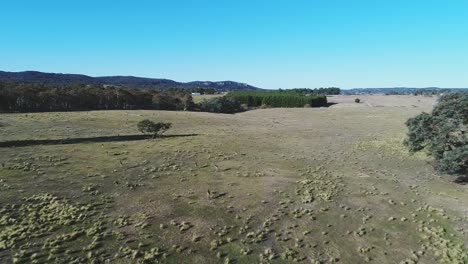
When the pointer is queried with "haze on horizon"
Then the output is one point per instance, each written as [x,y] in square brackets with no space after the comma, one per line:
[269,44]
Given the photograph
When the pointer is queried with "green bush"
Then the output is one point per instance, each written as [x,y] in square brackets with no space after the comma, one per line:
[149,127]
[443,133]
[221,105]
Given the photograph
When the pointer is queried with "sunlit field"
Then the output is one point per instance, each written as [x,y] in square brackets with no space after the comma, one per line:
[307,185]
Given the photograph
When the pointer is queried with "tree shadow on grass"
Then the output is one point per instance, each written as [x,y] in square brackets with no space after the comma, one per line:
[328,104]
[66,141]
[463,179]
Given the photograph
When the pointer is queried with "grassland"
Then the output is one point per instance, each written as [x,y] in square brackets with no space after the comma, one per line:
[312,185]
[198,98]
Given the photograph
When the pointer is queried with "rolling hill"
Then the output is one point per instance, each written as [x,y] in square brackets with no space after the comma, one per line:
[122,81]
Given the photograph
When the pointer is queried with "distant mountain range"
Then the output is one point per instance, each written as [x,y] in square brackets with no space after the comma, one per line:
[121,81]
[64,80]
[398,90]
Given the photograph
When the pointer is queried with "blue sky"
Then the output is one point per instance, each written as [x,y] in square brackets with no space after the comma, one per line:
[270,44]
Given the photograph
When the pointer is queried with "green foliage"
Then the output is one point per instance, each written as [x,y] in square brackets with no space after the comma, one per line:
[289,98]
[149,127]
[357,100]
[443,133]
[221,105]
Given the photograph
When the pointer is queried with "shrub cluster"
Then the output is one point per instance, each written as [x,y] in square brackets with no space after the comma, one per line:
[278,99]
[443,133]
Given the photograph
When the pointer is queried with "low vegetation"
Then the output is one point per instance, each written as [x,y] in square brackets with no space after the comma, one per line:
[442,133]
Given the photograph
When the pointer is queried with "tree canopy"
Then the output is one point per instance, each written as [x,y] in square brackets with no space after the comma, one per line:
[149,127]
[442,133]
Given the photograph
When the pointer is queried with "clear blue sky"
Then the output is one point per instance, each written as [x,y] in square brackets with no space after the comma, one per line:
[270,44]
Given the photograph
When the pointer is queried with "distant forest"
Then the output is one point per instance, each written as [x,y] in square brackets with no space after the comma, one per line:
[39,97]
[316,91]
[21,97]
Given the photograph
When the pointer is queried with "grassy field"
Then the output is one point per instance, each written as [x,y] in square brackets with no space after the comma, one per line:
[198,98]
[308,185]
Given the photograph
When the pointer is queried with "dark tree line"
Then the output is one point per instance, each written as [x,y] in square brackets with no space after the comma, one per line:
[431,92]
[278,99]
[317,91]
[20,97]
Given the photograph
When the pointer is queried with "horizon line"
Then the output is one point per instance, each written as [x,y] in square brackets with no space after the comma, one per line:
[241,82]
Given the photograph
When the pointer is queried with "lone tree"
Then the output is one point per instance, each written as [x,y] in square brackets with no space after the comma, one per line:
[443,134]
[149,127]
[357,100]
